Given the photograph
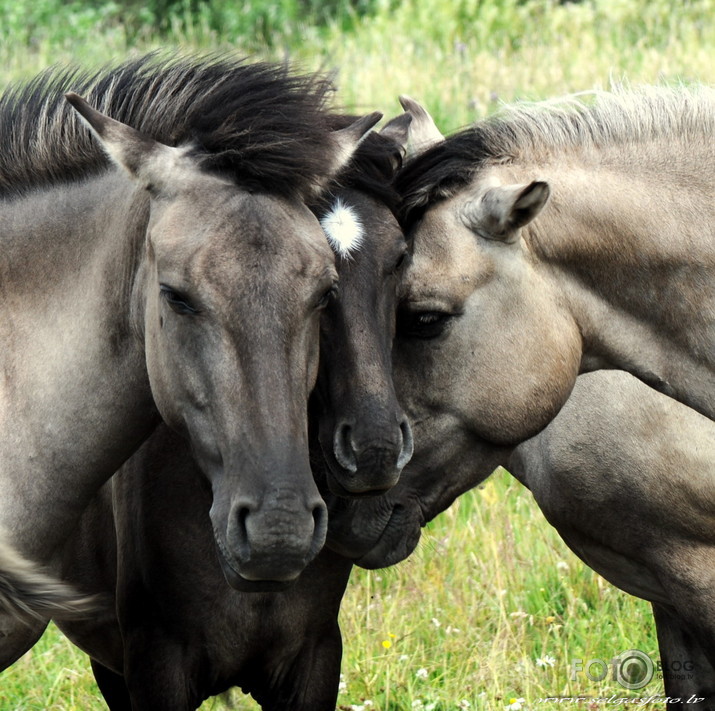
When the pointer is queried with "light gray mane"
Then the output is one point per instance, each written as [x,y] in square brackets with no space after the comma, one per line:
[605,119]
[649,124]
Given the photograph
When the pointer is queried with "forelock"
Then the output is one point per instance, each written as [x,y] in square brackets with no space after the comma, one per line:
[343,228]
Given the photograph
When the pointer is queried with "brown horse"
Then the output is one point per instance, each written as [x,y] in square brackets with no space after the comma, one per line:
[625,475]
[509,296]
[184,280]
[517,284]
[180,634]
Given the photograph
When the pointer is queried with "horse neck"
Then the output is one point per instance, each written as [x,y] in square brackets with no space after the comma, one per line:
[632,254]
[75,399]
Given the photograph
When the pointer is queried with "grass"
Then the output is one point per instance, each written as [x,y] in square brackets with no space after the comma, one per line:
[492,589]
[461,624]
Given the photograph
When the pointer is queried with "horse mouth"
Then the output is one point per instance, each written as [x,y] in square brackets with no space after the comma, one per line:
[334,474]
[238,582]
[397,540]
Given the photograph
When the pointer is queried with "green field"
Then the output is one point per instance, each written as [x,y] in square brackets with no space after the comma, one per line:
[492,608]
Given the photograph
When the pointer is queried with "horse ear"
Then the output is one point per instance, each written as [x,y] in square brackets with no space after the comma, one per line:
[134,151]
[398,130]
[423,130]
[349,138]
[345,141]
[502,210]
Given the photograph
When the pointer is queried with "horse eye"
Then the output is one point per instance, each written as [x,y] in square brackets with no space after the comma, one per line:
[177,301]
[422,324]
[325,299]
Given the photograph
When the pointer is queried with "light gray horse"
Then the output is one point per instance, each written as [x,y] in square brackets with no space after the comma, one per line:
[627,477]
[498,321]
[557,239]
[182,280]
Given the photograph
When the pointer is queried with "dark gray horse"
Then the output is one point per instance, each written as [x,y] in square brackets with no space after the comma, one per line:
[184,280]
[180,634]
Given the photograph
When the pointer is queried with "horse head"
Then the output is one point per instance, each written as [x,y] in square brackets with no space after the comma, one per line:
[436,375]
[228,299]
[364,434]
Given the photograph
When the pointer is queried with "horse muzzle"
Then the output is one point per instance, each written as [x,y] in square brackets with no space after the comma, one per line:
[368,462]
[271,542]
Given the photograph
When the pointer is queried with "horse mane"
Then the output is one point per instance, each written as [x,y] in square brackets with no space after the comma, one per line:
[606,126]
[258,122]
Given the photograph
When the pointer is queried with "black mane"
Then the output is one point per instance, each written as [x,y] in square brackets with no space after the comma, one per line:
[258,122]
[442,171]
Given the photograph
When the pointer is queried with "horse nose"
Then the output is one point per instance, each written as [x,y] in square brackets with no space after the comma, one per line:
[274,540]
[372,455]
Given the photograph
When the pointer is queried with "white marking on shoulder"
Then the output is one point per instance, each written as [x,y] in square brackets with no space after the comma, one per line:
[343,229]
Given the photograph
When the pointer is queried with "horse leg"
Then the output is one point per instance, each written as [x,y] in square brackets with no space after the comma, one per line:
[17,637]
[113,687]
[311,681]
[158,675]
[688,675]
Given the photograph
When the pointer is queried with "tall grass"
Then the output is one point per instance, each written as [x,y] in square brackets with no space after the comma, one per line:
[492,607]
[461,57]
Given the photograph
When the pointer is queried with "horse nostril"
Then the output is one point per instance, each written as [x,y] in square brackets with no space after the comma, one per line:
[408,444]
[242,540]
[343,447]
[320,528]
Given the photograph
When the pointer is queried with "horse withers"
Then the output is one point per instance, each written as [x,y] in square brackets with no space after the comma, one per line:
[180,634]
[184,280]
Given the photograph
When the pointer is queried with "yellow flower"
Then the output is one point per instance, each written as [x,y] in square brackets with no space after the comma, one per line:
[386,643]
[550,619]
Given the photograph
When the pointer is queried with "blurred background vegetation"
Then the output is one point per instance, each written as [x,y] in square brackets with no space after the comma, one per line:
[461,57]
[492,609]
